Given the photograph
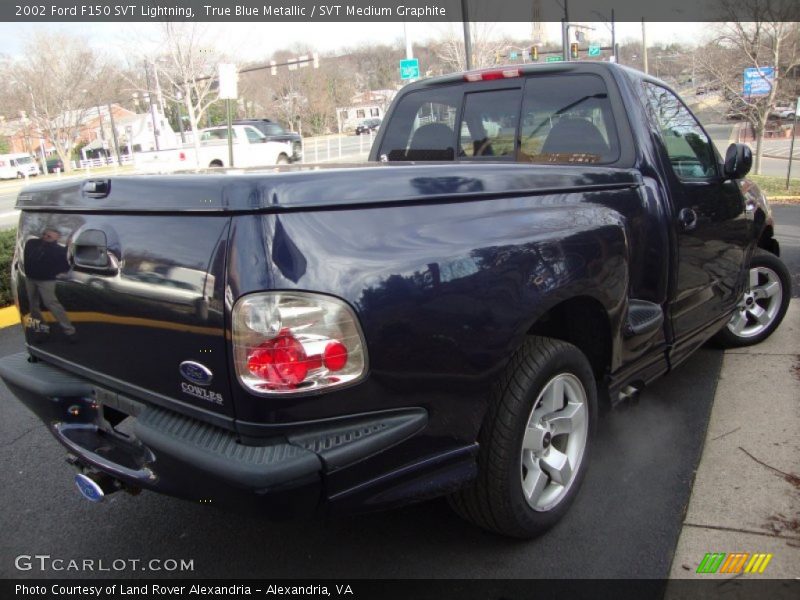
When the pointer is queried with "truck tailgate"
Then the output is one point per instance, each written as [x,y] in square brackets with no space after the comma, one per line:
[144,294]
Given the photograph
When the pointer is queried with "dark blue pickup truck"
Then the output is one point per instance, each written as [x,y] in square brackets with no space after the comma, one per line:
[526,245]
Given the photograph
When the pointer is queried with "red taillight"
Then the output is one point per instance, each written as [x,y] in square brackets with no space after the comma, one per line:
[335,356]
[281,361]
[294,342]
[490,75]
[182,156]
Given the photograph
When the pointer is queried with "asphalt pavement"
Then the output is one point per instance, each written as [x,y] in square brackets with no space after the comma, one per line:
[625,522]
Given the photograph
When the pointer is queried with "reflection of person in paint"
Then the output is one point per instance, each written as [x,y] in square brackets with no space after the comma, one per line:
[44,260]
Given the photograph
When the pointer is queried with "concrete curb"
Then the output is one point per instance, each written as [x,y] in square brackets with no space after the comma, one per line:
[746,493]
[9,316]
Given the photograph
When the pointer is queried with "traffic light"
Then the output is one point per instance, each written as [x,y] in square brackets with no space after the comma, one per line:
[573,50]
[534,53]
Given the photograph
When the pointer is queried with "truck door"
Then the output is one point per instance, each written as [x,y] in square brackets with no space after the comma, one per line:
[709,221]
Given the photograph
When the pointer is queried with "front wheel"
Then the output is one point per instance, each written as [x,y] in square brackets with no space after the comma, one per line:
[763,304]
[534,444]
[282,160]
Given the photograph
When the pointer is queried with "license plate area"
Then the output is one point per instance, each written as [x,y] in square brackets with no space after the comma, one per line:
[116,412]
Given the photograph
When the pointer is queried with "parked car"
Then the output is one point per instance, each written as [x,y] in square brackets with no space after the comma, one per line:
[273,132]
[443,321]
[782,113]
[368,125]
[55,164]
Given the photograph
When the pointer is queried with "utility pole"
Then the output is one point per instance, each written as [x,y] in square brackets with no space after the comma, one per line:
[644,46]
[565,31]
[467,38]
[614,48]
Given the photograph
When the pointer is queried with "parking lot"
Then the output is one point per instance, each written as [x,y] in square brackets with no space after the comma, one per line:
[624,524]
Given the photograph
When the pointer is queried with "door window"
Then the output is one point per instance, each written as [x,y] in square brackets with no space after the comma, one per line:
[254,136]
[690,152]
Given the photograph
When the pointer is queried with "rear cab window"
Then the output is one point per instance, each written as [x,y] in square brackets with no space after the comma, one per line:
[567,119]
[216,134]
[423,126]
[556,118]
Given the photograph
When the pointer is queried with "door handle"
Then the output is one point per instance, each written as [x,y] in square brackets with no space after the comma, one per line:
[90,251]
[687,218]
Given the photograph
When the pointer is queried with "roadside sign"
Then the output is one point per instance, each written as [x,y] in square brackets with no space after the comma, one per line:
[409,68]
[594,50]
[758,81]
[554,59]
[227,81]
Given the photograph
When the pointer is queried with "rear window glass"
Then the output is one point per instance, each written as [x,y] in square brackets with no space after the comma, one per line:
[567,119]
[423,126]
[489,124]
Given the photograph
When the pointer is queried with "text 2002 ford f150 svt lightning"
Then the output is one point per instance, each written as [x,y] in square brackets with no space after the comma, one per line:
[527,243]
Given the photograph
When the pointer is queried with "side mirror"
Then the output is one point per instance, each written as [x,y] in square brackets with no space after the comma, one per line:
[738,160]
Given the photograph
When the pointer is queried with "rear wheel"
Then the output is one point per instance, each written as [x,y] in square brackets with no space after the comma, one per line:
[763,304]
[534,442]
[215,164]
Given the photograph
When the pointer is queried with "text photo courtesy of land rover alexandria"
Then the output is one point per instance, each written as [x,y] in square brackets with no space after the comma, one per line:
[525,245]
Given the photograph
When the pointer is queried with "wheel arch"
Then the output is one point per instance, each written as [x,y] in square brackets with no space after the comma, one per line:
[583,322]
[767,240]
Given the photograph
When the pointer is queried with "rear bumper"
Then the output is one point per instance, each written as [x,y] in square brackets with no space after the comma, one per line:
[170,453]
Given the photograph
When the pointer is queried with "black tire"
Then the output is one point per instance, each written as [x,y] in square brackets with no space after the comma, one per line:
[215,164]
[770,269]
[282,160]
[495,500]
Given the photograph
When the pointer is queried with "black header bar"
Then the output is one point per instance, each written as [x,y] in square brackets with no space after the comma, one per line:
[274,11]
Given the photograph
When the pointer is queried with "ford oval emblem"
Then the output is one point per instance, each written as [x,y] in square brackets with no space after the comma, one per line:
[196,373]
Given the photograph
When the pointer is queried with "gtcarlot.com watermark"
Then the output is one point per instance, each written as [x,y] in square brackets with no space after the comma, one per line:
[48,563]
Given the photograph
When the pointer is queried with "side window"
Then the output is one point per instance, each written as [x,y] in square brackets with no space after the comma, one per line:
[567,119]
[422,126]
[689,149]
[489,124]
[253,136]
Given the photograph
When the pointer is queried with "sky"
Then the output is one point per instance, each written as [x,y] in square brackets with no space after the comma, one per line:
[255,41]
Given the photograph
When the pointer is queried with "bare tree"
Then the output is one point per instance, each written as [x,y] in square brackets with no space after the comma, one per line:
[450,49]
[760,33]
[57,88]
[186,71]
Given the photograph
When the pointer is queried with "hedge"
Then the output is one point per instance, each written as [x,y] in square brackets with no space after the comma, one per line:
[7,239]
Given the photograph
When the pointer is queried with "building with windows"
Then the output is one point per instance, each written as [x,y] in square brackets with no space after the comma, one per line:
[371,104]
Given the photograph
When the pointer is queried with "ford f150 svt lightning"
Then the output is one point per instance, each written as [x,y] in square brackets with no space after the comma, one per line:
[526,244]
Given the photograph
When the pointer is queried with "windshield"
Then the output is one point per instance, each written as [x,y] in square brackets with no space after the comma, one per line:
[25,160]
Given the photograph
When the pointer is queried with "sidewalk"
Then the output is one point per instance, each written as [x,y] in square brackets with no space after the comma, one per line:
[746,494]
[773,147]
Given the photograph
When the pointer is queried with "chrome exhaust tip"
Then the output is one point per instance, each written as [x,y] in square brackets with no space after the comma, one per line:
[89,488]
